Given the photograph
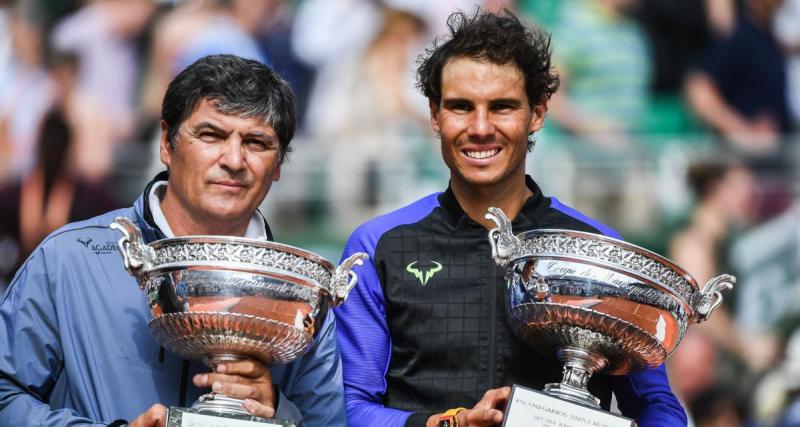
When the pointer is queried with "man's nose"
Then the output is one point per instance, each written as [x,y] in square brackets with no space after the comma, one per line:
[480,126]
[232,156]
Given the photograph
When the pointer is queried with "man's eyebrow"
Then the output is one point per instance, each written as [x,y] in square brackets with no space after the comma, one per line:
[511,101]
[259,134]
[207,125]
[450,101]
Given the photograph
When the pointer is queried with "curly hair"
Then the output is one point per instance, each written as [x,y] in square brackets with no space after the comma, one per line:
[497,38]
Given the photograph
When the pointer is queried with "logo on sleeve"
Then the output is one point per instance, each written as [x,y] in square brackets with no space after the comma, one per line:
[98,248]
[425,274]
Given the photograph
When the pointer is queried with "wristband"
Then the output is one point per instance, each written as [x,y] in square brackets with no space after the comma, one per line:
[449,418]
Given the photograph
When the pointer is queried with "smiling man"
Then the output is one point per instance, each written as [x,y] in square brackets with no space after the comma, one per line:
[76,349]
[425,332]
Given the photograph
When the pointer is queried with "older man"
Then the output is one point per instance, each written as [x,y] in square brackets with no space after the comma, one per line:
[73,324]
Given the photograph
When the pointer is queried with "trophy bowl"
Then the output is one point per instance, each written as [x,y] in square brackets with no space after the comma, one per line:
[217,298]
[597,303]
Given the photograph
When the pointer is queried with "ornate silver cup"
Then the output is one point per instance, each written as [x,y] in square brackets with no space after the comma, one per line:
[597,303]
[219,298]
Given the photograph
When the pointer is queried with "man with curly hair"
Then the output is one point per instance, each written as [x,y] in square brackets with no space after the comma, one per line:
[425,330]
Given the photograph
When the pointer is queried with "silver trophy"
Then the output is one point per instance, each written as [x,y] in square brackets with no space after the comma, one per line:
[597,303]
[218,299]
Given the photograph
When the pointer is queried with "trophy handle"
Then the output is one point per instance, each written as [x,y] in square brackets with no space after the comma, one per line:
[504,243]
[136,254]
[705,301]
[344,278]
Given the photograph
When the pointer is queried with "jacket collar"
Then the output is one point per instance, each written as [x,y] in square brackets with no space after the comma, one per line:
[150,230]
[533,208]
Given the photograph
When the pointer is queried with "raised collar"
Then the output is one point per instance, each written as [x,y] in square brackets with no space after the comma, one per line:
[533,208]
[147,214]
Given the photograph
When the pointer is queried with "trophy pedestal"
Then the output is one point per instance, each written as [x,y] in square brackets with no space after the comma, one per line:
[528,407]
[193,417]
[219,410]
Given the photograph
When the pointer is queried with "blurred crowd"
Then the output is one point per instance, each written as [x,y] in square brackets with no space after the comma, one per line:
[676,123]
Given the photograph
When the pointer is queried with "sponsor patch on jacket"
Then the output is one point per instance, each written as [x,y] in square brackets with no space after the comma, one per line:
[99,248]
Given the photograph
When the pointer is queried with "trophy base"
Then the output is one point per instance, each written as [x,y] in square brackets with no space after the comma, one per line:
[214,402]
[527,407]
[572,394]
[191,417]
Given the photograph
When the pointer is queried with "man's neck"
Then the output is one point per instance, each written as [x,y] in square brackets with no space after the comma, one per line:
[183,223]
[476,201]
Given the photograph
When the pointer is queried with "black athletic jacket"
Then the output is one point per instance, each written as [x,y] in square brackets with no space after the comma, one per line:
[425,328]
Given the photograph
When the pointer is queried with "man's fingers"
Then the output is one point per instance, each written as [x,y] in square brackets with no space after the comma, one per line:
[503,394]
[155,416]
[482,418]
[206,380]
[494,399]
[238,391]
[245,367]
[258,409]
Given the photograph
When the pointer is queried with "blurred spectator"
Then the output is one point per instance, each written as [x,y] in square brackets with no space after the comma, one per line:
[718,407]
[271,22]
[47,198]
[740,87]
[603,62]
[103,35]
[723,192]
[787,29]
[26,93]
[363,108]
[701,367]
[776,398]
[183,34]
[740,90]
[767,260]
[679,32]
[602,59]
[320,38]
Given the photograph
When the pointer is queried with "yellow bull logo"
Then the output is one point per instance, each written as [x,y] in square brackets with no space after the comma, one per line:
[426,275]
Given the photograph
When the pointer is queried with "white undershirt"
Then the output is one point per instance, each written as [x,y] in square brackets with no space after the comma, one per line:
[255,229]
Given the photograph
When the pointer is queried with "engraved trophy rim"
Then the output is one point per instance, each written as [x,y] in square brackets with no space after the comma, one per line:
[208,238]
[670,265]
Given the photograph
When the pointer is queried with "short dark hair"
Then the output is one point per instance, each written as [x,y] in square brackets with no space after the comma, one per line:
[238,86]
[497,38]
[704,174]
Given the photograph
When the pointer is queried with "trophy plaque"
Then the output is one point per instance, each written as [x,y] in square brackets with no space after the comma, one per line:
[217,298]
[596,303]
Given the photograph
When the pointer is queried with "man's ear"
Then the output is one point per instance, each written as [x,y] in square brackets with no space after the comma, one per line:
[276,174]
[434,108]
[164,149]
[537,118]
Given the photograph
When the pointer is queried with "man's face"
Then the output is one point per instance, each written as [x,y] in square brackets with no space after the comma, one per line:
[484,120]
[221,167]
